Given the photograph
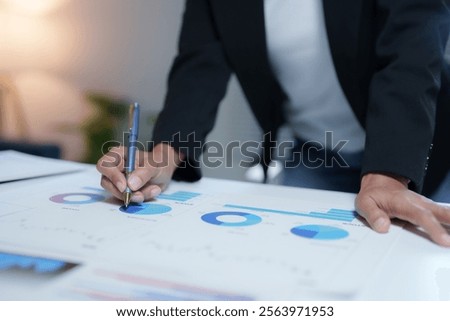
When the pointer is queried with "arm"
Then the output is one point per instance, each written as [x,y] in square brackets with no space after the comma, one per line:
[197,83]
[400,120]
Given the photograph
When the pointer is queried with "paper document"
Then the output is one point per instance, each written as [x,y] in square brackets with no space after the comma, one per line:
[16,166]
[191,243]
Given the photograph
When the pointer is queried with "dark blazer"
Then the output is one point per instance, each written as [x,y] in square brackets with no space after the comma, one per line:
[388,55]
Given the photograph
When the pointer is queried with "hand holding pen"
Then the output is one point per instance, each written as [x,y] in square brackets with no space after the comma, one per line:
[141,183]
[132,148]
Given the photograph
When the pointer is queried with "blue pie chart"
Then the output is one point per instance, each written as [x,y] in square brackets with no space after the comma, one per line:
[223,218]
[319,232]
[146,209]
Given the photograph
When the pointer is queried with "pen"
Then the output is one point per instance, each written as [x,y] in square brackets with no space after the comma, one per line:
[132,139]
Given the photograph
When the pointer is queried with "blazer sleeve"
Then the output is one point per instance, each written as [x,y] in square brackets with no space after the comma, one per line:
[197,83]
[410,45]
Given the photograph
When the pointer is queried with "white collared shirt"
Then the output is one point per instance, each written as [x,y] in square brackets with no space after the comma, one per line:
[300,57]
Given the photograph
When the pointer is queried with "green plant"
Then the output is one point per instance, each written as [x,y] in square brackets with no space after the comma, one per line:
[105,123]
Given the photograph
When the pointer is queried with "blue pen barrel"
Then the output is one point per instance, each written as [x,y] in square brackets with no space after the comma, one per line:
[133,136]
[131,156]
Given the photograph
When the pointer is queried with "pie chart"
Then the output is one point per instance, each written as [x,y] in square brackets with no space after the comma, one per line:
[231,219]
[146,209]
[77,198]
[319,232]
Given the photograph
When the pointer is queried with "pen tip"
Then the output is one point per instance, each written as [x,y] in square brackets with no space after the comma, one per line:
[127,197]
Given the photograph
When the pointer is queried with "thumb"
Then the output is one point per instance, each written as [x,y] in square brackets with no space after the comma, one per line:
[139,177]
[377,218]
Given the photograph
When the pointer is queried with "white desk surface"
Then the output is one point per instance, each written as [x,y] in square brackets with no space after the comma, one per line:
[413,269]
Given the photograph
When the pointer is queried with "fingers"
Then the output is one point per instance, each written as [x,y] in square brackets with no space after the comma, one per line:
[434,228]
[111,166]
[141,176]
[378,208]
[147,193]
[376,217]
[146,181]
[143,181]
[109,186]
[442,213]
[426,215]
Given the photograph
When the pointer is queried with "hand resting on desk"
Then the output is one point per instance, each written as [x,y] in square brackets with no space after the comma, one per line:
[383,197]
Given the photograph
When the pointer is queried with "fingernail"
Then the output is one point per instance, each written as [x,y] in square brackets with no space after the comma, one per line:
[155,191]
[121,186]
[380,224]
[446,239]
[136,198]
[134,182]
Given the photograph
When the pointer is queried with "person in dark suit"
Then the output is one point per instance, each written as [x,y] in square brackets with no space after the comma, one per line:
[371,71]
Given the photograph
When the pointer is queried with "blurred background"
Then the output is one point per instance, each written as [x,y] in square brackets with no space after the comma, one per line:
[69,68]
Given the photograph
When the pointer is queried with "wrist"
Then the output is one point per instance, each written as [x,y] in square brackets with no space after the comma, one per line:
[377,179]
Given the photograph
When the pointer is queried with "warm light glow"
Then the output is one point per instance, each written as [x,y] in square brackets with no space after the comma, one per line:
[34,7]
[32,42]
[54,109]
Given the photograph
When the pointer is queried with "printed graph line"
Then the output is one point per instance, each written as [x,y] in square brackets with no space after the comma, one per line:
[332,214]
[178,196]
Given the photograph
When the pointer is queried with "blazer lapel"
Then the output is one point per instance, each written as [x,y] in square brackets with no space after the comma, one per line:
[242,29]
[241,26]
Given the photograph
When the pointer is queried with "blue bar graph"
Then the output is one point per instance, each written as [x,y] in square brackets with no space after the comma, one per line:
[35,264]
[332,214]
[180,196]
